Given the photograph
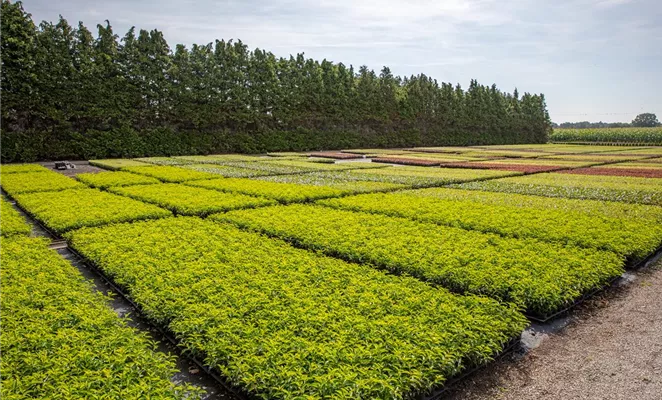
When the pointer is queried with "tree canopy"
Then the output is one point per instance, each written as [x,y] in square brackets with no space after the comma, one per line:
[70,93]
[645,120]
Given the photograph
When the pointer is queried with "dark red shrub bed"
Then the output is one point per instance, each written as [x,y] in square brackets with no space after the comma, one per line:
[636,172]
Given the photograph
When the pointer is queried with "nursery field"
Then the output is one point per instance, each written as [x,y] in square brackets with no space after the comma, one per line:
[345,274]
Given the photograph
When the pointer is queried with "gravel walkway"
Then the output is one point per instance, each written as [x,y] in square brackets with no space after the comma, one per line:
[611,349]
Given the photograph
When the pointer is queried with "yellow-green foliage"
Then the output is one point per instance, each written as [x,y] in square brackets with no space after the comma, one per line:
[541,277]
[485,153]
[284,323]
[17,168]
[283,192]
[334,181]
[71,209]
[619,229]
[375,152]
[11,222]
[29,182]
[60,340]
[170,174]
[190,200]
[117,163]
[443,157]
[447,149]
[226,170]
[286,154]
[219,158]
[596,187]
[422,176]
[105,180]
[307,165]
[270,167]
[163,160]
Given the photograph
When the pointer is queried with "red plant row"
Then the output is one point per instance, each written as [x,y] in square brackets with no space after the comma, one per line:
[635,172]
[335,155]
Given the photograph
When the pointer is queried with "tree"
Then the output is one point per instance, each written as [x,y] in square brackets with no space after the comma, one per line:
[645,120]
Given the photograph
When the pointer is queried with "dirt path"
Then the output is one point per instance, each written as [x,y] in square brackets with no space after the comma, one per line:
[612,349]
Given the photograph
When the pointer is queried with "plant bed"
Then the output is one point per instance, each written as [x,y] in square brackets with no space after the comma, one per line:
[335,181]
[310,314]
[539,277]
[115,164]
[218,159]
[226,170]
[422,176]
[164,160]
[84,349]
[444,150]
[165,333]
[335,155]
[187,200]
[32,182]
[20,168]
[104,180]
[75,208]
[525,168]
[594,187]
[170,174]
[12,222]
[619,171]
[631,231]
[283,192]
[421,162]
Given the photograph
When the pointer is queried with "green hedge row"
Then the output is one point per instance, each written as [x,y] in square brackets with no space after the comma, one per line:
[125,142]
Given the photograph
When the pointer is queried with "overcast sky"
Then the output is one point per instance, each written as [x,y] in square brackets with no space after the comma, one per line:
[593,59]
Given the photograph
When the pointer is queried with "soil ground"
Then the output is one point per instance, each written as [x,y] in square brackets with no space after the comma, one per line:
[611,348]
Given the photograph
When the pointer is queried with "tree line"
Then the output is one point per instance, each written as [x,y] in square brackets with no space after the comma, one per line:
[69,93]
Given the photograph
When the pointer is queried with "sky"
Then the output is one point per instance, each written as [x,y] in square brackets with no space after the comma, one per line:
[595,60]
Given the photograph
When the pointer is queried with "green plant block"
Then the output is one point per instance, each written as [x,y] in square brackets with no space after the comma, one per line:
[75,208]
[18,168]
[11,221]
[104,180]
[592,187]
[170,174]
[538,276]
[634,231]
[30,182]
[284,323]
[61,340]
[283,192]
[188,200]
[114,164]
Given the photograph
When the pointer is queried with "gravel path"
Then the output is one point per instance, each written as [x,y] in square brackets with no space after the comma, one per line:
[611,349]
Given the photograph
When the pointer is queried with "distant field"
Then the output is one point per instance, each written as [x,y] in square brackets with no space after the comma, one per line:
[635,136]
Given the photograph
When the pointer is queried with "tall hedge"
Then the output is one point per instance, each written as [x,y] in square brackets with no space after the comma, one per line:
[67,93]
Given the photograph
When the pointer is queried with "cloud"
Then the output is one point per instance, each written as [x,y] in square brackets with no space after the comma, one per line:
[586,55]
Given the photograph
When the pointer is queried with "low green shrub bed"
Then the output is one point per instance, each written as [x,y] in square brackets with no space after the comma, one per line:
[61,340]
[538,276]
[285,323]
